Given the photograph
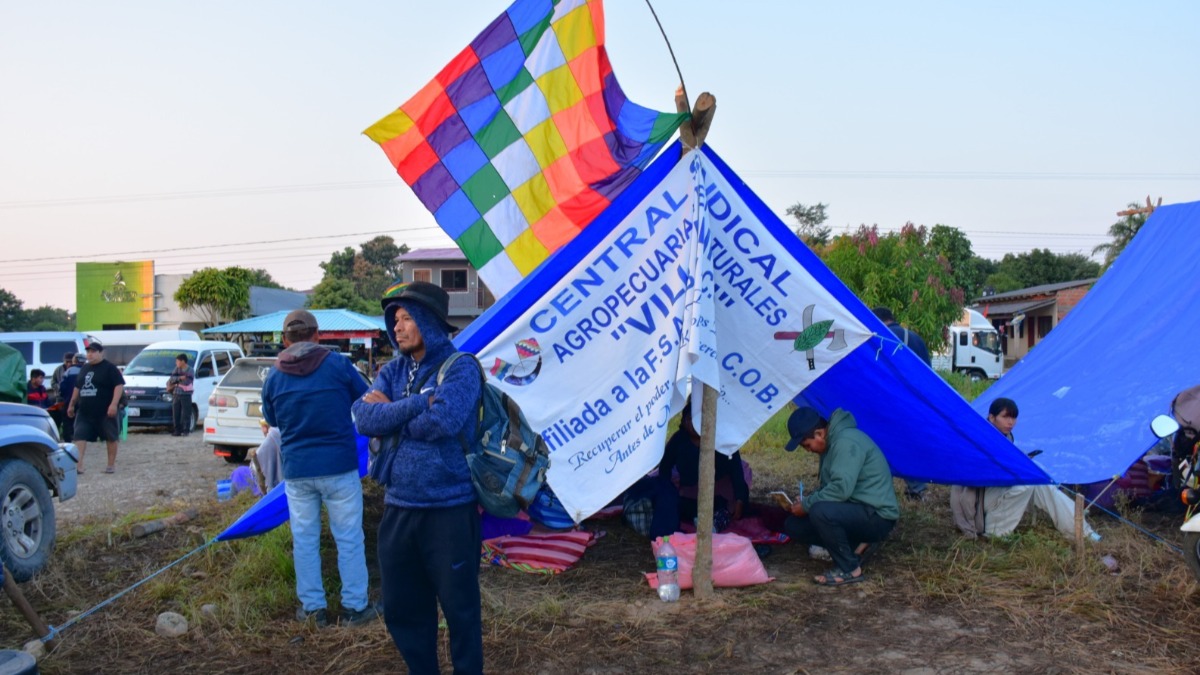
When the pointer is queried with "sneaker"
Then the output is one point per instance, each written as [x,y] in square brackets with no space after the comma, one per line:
[819,553]
[317,616]
[362,617]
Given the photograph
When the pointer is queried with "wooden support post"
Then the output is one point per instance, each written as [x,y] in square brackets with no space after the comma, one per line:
[693,132]
[18,598]
[151,526]
[1079,538]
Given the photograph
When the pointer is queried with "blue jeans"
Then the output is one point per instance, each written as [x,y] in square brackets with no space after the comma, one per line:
[342,496]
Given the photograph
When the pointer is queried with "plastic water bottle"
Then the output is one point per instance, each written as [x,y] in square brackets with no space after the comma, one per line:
[224,490]
[668,572]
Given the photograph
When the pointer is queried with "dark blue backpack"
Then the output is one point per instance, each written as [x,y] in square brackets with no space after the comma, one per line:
[507,458]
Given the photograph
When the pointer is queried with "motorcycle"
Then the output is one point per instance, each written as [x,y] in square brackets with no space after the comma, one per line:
[1184,429]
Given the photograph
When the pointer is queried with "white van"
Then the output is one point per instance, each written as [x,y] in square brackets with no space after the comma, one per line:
[120,346]
[146,378]
[45,349]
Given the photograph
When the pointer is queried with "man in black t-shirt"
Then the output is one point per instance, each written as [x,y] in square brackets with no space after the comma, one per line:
[94,405]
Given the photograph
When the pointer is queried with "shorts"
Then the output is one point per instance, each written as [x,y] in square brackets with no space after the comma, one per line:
[92,429]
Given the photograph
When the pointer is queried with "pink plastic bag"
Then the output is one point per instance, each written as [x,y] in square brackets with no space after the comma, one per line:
[734,564]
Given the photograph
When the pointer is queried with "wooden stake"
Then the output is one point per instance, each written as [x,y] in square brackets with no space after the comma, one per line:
[151,526]
[1079,538]
[693,132]
[14,593]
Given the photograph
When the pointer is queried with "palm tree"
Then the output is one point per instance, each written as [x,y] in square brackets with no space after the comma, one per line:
[1123,231]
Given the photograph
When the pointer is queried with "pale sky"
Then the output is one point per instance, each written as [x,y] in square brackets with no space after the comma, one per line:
[229,131]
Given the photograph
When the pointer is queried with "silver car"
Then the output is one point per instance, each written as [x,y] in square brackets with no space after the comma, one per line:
[234,421]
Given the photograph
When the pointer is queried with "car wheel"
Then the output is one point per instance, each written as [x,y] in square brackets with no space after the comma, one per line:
[236,455]
[26,519]
[191,425]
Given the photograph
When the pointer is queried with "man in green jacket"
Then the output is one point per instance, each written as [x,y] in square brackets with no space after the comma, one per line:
[855,508]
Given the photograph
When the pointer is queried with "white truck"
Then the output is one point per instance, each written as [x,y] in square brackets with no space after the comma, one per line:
[973,348]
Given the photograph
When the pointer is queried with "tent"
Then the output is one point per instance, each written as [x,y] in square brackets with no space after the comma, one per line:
[1088,391]
[925,428]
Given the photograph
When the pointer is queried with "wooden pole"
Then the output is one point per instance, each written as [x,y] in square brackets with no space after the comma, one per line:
[1079,543]
[693,132]
[151,526]
[14,593]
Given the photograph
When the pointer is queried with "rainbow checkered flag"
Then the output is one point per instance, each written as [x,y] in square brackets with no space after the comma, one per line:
[524,138]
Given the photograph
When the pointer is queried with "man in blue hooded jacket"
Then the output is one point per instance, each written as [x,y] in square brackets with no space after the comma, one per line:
[429,537]
[307,396]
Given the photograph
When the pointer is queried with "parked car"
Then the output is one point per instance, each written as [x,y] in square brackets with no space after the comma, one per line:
[35,467]
[146,378]
[235,409]
[233,426]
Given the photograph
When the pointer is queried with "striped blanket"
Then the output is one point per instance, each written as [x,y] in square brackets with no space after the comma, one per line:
[549,553]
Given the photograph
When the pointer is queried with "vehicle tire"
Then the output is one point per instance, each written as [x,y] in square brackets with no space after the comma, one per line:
[236,455]
[975,375]
[1191,551]
[191,426]
[26,519]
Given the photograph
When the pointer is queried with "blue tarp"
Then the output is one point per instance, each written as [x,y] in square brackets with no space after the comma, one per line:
[925,428]
[1088,391]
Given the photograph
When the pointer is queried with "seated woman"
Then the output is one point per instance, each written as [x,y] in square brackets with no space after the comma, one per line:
[682,454]
[996,511]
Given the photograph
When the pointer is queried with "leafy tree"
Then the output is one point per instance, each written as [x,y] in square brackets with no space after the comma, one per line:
[12,312]
[334,293]
[49,318]
[218,295]
[368,271]
[810,219]
[902,272]
[966,268]
[1122,233]
[263,278]
[1040,266]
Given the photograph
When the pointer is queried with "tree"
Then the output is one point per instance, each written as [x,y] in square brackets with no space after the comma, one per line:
[263,278]
[12,312]
[965,267]
[219,296]
[49,318]
[810,219]
[334,293]
[368,272]
[1122,232]
[1039,267]
[900,271]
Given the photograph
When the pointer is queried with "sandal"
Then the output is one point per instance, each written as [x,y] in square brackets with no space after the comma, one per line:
[836,577]
[79,470]
[110,469]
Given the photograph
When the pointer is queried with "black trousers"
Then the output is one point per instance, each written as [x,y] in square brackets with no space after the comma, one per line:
[839,527]
[181,413]
[427,557]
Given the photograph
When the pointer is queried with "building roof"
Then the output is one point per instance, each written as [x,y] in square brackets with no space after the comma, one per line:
[432,254]
[330,320]
[265,300]
[993,309]
[1034,290]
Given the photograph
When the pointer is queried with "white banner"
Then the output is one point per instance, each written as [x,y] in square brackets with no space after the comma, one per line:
[690,283]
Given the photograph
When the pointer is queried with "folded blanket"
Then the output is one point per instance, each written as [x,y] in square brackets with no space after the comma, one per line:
[538,553]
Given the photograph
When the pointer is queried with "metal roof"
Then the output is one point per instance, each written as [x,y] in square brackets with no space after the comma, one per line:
[991,309]
[1034,290]
[329,320]
[432,254]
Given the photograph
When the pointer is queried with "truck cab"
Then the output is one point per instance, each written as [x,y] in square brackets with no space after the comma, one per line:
[973,348]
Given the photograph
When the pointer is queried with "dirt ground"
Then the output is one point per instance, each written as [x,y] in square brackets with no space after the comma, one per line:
[153,469]
[601,618]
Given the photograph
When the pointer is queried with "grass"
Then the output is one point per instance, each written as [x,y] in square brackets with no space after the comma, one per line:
[1024,603]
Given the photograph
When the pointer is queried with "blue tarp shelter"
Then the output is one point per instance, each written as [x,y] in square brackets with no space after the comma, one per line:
[925,428]
[1088,391]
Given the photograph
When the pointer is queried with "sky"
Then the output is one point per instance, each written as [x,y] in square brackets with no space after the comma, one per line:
[228,132]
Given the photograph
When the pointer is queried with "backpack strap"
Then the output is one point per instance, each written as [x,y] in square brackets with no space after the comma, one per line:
[441,375]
